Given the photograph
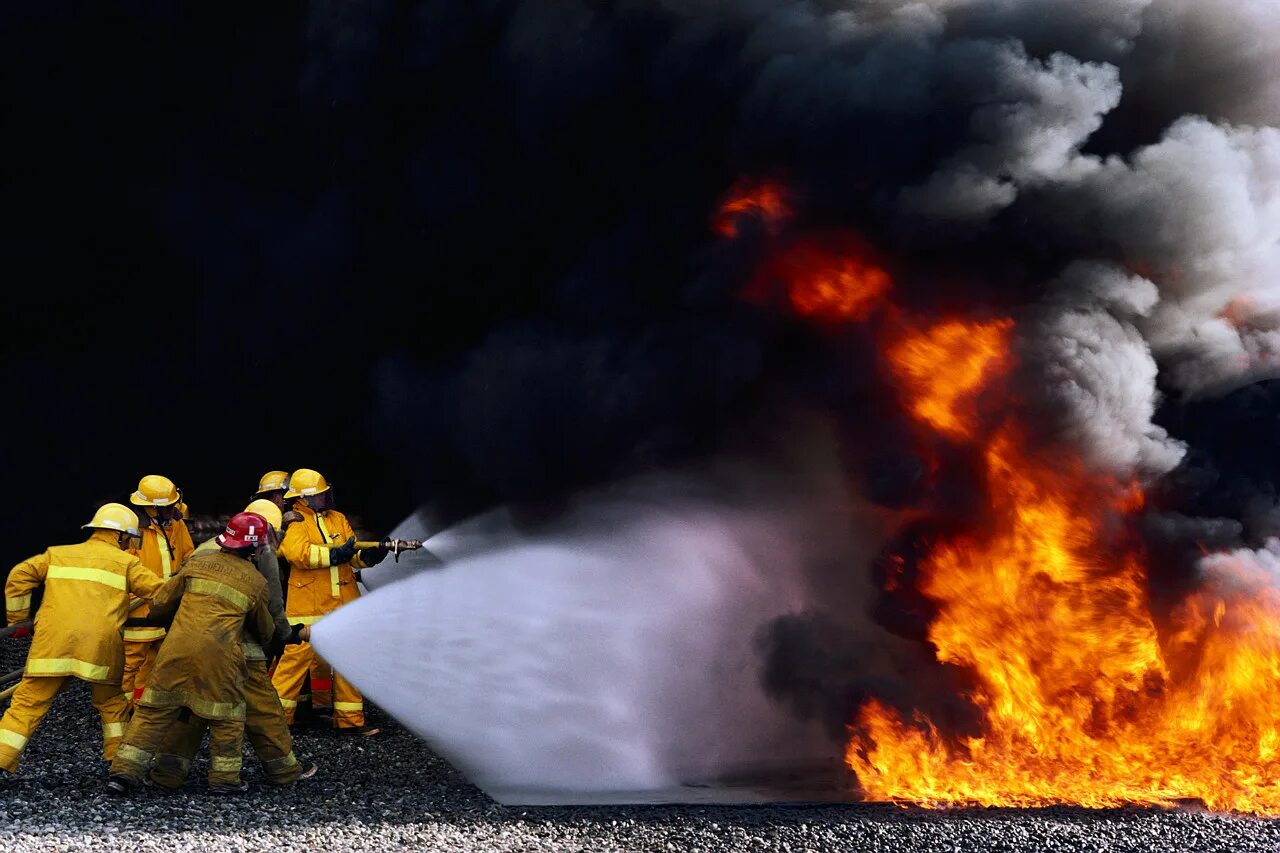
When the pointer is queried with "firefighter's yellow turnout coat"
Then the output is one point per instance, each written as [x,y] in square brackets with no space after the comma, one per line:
[317,587]
[87,588]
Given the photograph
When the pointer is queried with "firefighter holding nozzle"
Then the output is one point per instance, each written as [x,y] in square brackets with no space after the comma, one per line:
[324,557]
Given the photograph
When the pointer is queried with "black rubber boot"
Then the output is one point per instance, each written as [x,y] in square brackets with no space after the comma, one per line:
[223,790]
[121,785]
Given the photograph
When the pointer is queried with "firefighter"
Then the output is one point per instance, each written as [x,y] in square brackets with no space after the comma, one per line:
[86,600]
[272,487]
[264,723]
[218,595]
[166,542]
[321,550]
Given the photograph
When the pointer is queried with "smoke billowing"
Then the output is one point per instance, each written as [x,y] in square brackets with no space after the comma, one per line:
[478,238]
[1019,156]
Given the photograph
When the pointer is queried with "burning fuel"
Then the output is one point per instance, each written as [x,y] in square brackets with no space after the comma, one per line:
[1043,597]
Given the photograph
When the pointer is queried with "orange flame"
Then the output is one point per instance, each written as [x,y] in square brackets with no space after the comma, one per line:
[946,366]
[766,200]
[1084,699]
[832,279]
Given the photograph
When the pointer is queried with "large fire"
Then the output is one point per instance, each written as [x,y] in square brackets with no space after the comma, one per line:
[1085,697]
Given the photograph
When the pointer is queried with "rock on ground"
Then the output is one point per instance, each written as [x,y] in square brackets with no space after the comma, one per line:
[392,792]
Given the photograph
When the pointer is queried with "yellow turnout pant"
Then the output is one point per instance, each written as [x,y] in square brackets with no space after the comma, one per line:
[321,684]
[138,660]
[264,726]
[31,702]
[348,704]
[146,736]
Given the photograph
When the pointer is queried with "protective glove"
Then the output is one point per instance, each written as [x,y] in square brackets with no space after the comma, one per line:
[373,556]
[343,553]
[20,633]
[298,633]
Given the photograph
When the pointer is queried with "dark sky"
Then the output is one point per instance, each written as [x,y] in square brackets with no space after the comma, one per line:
[160,173]
[223,242]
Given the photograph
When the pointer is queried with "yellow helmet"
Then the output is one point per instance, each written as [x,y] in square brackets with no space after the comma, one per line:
[154,490]
[267,510]
[115,517]
[304,483]
[273,481]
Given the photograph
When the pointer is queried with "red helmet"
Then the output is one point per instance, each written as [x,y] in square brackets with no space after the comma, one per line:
[244,530]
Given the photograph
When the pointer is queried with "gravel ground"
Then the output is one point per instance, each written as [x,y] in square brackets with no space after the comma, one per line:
[392,792]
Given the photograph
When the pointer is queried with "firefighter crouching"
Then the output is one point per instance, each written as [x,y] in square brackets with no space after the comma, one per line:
[166,542]
[78,627]
[264,722]
[201,669]
[322,554]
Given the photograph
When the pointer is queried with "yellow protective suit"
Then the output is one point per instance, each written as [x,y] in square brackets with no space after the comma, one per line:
[264,722]
[201,666]
[316,587]
[163,550]
[77,634]
[264,726]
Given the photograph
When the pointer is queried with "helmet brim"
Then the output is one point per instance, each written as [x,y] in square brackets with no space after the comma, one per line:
[307,493]
[132,531]
[139,499]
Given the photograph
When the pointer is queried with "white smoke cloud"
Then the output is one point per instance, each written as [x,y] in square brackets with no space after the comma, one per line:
[1029,122]
[1244,571]
[1199,212]
[1093,372]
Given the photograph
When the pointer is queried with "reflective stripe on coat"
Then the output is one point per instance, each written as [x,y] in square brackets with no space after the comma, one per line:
[201,665]
[315,586]
[86,600]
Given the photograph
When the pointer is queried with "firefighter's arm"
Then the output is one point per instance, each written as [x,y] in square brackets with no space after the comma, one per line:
[23,580]
[261,623]
[143,583]
[298,549]
[360,558]
[165,604]
[368,557]
[302,553]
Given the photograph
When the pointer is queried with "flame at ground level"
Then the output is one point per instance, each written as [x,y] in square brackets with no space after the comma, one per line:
[1085,699]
